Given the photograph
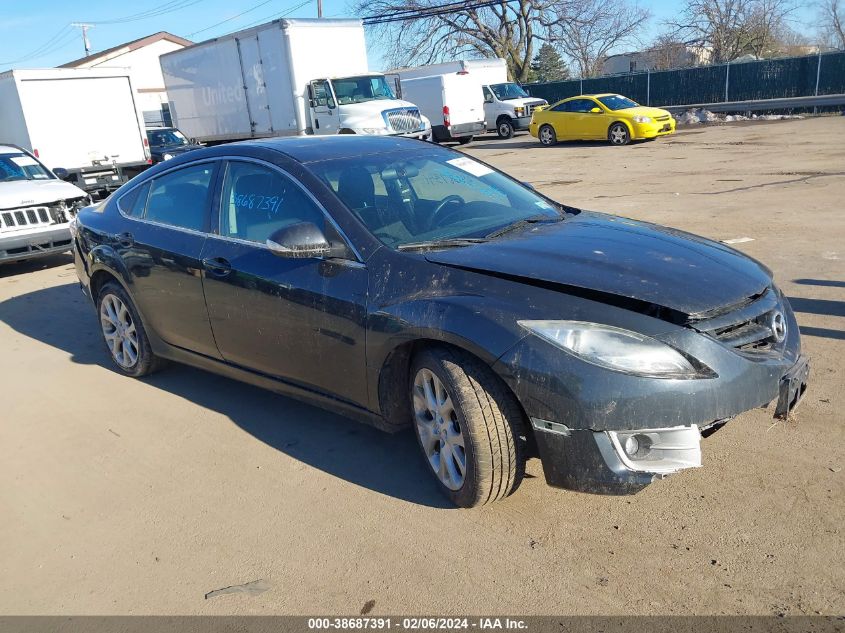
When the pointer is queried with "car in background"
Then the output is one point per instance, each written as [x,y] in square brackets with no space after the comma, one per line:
[609,117]
[167,142]
[406,284]
[36,207]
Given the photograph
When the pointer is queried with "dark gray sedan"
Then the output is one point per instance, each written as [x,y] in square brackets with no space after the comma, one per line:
[406,284]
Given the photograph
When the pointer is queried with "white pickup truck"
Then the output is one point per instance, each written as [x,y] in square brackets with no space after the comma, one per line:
[36,207]
[507,107]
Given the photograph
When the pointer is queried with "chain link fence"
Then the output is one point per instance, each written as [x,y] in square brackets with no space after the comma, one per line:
[806,76]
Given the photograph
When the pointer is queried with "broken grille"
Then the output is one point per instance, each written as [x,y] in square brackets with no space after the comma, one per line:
[404,119]
[33,217]
[747,328]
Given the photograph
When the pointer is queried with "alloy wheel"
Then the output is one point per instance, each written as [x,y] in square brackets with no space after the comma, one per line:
[546,135]
[119,331]
[618,135]
[439,429]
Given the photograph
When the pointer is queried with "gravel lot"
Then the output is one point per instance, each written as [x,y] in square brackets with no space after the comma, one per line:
[139,497]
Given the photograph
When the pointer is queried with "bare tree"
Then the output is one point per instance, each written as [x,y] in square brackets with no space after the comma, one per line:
[510,30]
[584,30]
[668,52]
[731,28]
[832,18]
[588,30]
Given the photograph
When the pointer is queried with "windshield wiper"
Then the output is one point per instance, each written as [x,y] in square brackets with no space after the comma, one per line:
[453,242]
[521,224]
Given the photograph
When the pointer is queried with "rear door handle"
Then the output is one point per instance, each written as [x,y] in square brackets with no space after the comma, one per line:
[217,266]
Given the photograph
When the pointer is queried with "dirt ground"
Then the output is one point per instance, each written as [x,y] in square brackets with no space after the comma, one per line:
[125,496]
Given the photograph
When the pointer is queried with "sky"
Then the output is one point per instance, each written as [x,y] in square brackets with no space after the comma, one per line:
[38,35]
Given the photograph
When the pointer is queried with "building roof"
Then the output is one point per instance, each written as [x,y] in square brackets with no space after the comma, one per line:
[127,47]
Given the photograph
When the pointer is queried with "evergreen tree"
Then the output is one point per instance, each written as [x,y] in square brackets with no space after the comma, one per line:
[548,65]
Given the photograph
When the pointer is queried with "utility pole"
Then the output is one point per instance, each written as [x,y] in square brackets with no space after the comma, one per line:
[85,41]
[319,8]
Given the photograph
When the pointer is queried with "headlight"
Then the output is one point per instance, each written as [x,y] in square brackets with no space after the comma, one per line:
[614,348]
[167,156]
[642,119]
[519,111]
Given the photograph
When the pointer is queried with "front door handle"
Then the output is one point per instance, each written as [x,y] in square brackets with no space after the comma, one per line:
[217,266]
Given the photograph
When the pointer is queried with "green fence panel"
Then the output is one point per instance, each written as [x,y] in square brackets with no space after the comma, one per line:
[832,74]
[765,79]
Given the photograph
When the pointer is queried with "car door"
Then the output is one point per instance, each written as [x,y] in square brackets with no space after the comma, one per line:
[301,320]
[326,118]
[589,125]
[161,247]
[559,119]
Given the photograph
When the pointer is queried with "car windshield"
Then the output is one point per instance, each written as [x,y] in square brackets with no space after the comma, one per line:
[507,91]
[360,89]
[161,138]
[617,102]
[429,195]
[20,166]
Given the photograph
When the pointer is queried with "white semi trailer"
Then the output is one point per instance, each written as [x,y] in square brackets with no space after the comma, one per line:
[286,77]
[83,124]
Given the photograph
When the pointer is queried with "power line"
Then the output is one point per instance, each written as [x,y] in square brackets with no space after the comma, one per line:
[60,40]
[162,9]
[234,17]
[428,12]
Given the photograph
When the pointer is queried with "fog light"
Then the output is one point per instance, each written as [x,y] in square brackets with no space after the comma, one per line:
[658,450]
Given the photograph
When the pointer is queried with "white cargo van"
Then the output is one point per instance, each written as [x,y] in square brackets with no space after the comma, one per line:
[507,107]
[83,124]
[284,78]
[452,102]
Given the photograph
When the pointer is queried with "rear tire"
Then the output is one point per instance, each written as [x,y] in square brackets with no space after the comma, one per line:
[618,134]
[547,135]
[504,128]
[468,426]
[124,334]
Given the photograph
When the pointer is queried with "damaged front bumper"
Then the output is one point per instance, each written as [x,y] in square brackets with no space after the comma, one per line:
[607,432]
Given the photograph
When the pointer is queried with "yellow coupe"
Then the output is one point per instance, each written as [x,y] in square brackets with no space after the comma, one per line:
[605,116]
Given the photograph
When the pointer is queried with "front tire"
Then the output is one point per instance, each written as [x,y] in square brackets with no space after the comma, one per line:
[123,332]
[504,128]
[468,426]
[618,134]
[547,135]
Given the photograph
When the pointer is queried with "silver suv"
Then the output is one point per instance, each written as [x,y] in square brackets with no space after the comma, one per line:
[36,207]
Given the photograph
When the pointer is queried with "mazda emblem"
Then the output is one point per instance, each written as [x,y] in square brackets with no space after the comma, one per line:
[778,325]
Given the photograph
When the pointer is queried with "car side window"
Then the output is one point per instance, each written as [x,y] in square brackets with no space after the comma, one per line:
[561,107]
[581,105]
[181,198]
[134,202]
[257,201]
[488,95]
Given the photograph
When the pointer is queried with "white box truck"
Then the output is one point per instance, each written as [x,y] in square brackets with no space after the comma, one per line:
[507,107]
[83,124]
[451,101]
[286,77]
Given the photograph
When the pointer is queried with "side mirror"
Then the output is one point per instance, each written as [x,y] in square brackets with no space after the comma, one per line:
[61,173]
[303,240]
[596,110]
[525,183]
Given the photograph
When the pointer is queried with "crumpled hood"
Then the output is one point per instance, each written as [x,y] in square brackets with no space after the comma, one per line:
[621,257]
[22,193]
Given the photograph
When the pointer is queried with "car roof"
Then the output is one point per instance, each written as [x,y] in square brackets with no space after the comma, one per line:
[309,149]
